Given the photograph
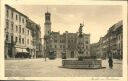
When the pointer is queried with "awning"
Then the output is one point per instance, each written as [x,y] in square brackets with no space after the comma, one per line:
[21,50]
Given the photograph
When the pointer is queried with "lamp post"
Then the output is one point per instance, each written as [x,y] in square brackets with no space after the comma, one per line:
[47,39]
[41,46]
[45,47]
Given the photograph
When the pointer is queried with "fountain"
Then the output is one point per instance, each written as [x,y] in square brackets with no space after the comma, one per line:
[83,60]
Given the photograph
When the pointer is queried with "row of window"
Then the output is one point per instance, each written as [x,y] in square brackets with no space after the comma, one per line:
[17,39]
[17,17]
[119,46]
[119,37]
[61,41]
[16,27]
[74,37]
[70,41]
[61,46]
[69,36]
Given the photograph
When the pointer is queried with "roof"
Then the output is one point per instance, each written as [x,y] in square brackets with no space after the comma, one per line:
[15,10]
[47,13]
[21,14]
[55,32]
[116,26]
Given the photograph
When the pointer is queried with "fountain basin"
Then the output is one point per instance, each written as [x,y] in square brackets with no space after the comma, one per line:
[85,64]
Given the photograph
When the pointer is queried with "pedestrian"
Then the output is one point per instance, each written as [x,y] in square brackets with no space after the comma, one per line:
[110,61]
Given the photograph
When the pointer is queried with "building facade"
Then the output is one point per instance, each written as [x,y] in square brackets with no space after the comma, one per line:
[111,45]
[63,44]
[18,34]
[36,42]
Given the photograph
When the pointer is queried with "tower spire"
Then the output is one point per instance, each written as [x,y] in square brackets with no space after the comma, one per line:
[47,9]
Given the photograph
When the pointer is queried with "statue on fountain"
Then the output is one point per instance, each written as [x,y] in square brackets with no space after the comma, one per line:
[80,30]
[81,46]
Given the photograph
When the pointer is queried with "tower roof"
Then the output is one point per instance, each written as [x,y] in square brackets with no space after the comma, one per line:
[47,13]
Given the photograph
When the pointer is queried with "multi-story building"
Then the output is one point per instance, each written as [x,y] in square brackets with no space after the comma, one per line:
[36,50]
[71,44]
[116,40]
[111,45]
[18,34]
[56,43]
[65,43]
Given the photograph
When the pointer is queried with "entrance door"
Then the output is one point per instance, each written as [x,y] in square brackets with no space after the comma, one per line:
[72,54]
[63,55]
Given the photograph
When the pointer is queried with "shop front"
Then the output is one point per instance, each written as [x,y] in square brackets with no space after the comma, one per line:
[22,53]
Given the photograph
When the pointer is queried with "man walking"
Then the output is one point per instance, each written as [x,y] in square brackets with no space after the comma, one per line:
[110,61]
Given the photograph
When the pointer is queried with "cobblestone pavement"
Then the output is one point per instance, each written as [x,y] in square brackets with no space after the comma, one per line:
[51,68]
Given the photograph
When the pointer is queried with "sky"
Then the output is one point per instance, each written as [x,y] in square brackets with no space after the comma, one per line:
[97,19]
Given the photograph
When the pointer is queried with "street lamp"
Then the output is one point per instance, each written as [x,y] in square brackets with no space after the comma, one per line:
[45,47]
[47,39]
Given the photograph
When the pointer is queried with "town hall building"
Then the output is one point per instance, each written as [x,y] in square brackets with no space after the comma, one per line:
[63,44]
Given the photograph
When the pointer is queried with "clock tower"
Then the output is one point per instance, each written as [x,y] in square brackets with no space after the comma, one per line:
[47,24]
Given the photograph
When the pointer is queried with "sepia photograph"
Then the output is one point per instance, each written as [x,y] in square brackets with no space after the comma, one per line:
[43,40]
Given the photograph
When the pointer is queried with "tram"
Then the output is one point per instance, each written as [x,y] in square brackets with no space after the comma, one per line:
[52,55]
